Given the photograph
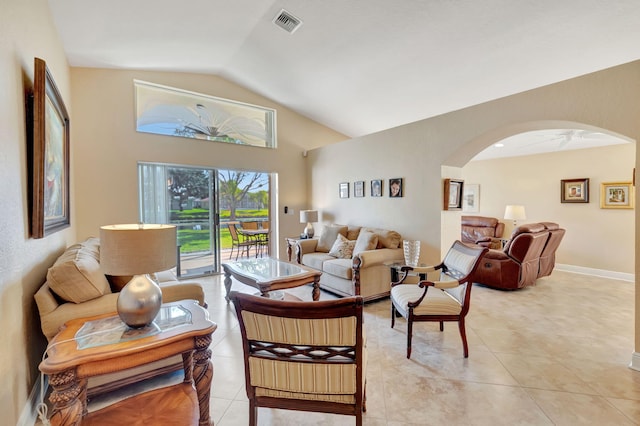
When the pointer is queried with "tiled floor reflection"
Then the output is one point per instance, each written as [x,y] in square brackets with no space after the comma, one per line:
[553,354]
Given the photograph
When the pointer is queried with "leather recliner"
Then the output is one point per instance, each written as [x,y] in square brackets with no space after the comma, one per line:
[481,230]
[518,264]
[548,256]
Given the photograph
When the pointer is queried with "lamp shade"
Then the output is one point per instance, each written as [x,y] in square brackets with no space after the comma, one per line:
[514,212]
[132,249]
[308,216]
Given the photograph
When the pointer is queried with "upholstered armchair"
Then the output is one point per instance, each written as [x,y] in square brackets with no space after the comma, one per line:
[306,356]
[518,264]
[481,230]
[446,299]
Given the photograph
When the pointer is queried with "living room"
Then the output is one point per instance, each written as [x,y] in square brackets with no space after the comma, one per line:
[105,150]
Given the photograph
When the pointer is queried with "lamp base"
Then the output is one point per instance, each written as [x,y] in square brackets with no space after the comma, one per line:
[308,231]
[139,301]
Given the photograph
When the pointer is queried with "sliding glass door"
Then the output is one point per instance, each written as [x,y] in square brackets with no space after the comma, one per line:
[201,202]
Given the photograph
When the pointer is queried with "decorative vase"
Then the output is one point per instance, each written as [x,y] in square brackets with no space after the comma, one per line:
[411,252]
[139,301]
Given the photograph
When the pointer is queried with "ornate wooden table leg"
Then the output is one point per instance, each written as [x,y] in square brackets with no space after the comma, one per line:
[202,375]
[316,289]
[67,404]
[227,283]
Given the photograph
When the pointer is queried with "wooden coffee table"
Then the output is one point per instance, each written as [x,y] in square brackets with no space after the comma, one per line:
[268,274]
[103,344]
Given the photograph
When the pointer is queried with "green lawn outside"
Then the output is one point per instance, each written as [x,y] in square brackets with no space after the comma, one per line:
[194,240]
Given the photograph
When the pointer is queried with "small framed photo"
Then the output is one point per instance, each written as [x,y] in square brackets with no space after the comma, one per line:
[395,187]
[376,188]
[574,190]
[471,198]
[344,189]
[453,190]
[616,195]
[358,188]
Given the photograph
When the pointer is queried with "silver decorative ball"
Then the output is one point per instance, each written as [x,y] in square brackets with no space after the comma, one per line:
[139,301]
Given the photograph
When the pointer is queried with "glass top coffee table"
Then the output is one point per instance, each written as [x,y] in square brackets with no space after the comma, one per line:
[268,274]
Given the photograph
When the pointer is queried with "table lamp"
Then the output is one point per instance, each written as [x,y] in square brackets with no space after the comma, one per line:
[308,216]
[138,250]
[514,213]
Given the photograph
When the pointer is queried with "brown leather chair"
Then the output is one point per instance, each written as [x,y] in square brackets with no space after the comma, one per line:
[548,256]
[518,264]
[481,230]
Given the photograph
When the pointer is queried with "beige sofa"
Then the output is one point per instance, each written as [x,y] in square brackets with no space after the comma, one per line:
[77,288]
[354,260]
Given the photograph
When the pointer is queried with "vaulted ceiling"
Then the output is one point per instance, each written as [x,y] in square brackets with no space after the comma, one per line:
[359,66]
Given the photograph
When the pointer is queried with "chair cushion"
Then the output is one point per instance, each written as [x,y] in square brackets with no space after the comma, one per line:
[76,275]
[329,236]
[342,248]
[437,301]
[367,240]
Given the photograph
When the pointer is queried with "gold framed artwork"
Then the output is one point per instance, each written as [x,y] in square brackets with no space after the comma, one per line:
[574,190]
[617,195]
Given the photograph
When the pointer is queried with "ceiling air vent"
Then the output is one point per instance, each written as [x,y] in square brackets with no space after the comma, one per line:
[287,21]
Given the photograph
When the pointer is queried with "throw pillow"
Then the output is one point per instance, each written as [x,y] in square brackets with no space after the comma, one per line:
[329,236]
[342,248]
[386,238]
[367,240]
[76,275]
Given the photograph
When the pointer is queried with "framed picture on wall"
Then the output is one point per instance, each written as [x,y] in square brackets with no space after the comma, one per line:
[50,209]
[471,198]
[396,188]
[616,195]
[343,188]
[452,192]
[574,190]
[358,188]
[376,188]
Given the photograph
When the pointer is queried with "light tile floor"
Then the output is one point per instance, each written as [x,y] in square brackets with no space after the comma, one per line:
[553,354]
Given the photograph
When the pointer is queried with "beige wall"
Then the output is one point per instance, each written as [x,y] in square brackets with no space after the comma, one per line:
[534,181]
[417,151]
[108,147]
[26,31]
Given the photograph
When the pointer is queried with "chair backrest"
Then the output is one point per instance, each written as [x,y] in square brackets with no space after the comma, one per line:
[548,255]
[302,348]
[460,264]
[474,228]
[525,247]
[249,225]
[233,231]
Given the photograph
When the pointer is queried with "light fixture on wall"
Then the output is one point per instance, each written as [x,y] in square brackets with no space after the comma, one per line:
[515,213]
[138,250]
[308,216]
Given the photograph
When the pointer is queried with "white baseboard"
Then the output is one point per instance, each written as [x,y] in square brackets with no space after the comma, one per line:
[29,413]
[635,361]
[596,272]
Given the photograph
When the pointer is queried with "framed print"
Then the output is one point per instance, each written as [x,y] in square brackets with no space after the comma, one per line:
[358,188]
[616,195]
[344,190]
[376,188]
[50,198]
[452,194]
[471,198]
[574,190]
[395,187]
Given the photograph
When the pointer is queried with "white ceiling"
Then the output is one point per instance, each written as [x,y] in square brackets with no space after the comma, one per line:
[359,66]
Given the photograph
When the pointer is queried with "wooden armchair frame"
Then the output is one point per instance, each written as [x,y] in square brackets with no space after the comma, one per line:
[324,337]
[448,299]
